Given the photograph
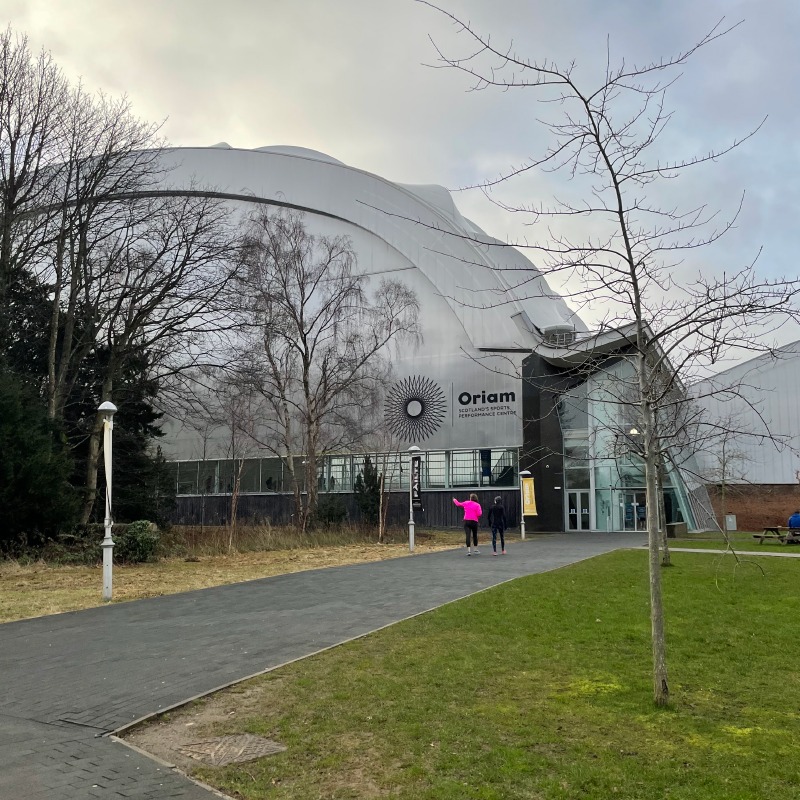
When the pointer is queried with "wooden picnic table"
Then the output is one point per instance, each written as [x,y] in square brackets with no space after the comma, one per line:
[781,533]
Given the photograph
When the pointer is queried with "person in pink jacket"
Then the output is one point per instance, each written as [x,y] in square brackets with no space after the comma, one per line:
[472,512]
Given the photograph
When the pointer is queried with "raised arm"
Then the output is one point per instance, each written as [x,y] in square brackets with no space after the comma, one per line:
[458,503]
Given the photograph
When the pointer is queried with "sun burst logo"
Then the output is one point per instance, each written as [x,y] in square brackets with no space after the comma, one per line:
[415,408]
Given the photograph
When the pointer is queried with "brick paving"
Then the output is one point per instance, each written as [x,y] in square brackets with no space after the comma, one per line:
[70,679]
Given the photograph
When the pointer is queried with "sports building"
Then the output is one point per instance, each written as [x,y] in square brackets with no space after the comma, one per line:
[484,395]
[757,464]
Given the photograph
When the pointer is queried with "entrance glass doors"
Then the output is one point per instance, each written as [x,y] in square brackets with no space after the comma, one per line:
[635,511]
[578,517]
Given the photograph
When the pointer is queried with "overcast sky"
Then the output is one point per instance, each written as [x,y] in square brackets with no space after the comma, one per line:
[348,78]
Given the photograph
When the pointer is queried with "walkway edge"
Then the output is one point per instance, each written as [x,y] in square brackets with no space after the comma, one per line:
[169,766]
[118,732]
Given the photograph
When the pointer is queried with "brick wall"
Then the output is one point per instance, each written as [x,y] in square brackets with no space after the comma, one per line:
[757,506]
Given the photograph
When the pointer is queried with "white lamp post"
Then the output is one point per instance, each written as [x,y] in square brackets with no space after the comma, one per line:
[523,474]
[108,410]
[412,451]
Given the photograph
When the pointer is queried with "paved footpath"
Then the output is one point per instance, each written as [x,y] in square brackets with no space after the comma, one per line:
[68,680]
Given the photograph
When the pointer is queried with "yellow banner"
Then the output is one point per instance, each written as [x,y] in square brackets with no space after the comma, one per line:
[528,498]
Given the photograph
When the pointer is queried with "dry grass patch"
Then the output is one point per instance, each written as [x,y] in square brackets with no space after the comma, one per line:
[38,589]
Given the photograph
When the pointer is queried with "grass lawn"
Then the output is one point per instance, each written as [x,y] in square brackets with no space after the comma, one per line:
[741,540]
[539,688]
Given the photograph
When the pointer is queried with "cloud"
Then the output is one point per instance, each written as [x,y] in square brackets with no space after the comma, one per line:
[349,78]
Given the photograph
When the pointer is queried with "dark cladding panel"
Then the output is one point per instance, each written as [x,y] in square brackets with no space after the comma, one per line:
[542,446]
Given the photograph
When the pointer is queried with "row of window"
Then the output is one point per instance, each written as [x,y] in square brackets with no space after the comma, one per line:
[440,470]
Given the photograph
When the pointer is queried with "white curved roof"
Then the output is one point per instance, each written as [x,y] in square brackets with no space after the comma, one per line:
[469,269]
[301,152]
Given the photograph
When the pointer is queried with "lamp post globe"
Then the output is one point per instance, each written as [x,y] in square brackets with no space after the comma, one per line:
[107,409]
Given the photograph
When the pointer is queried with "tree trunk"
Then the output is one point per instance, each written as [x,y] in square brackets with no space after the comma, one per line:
[723,504]
[299,508]
[92,462]
[666,560]
[61,363]
[312,493]
[93,456]
[382,508]
[299,511]
[235,490]
[311,463]
[54,325]
[660,683]
[6,259]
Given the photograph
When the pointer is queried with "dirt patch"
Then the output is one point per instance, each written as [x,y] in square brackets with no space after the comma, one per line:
[197,721]
[228,712]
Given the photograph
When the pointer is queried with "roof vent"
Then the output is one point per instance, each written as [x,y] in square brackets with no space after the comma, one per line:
[524,322]
[560,335]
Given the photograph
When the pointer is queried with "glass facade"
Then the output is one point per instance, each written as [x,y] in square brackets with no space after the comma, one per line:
[443,469]
[573,409]
[604,476]
[577,463]
[434,471]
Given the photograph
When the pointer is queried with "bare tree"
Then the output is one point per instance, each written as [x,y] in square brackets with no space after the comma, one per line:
[205,427]
[163,275]
[729,468]
[387,461]
[33,93]
[132,274]
[237,414]
[318,342]
[673,324]
[108,155]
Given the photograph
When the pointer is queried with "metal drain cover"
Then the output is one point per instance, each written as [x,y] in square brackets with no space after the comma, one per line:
[231,749]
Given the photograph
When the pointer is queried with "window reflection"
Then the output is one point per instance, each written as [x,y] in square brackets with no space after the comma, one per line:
[337,473]
[573,409]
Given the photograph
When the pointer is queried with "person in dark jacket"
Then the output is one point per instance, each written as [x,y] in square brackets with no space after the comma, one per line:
[497,519]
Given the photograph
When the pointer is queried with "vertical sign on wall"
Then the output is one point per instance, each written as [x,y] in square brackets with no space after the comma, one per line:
[528,498]
[416,480]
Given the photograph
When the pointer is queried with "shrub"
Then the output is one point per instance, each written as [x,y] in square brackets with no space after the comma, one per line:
[137,543]
[80,546]
[330,511]
[172,543]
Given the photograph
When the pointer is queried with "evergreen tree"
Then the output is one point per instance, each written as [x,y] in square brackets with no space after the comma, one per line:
[142,485]
[143,489]
[28,315]
[368,492]
[36,499]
